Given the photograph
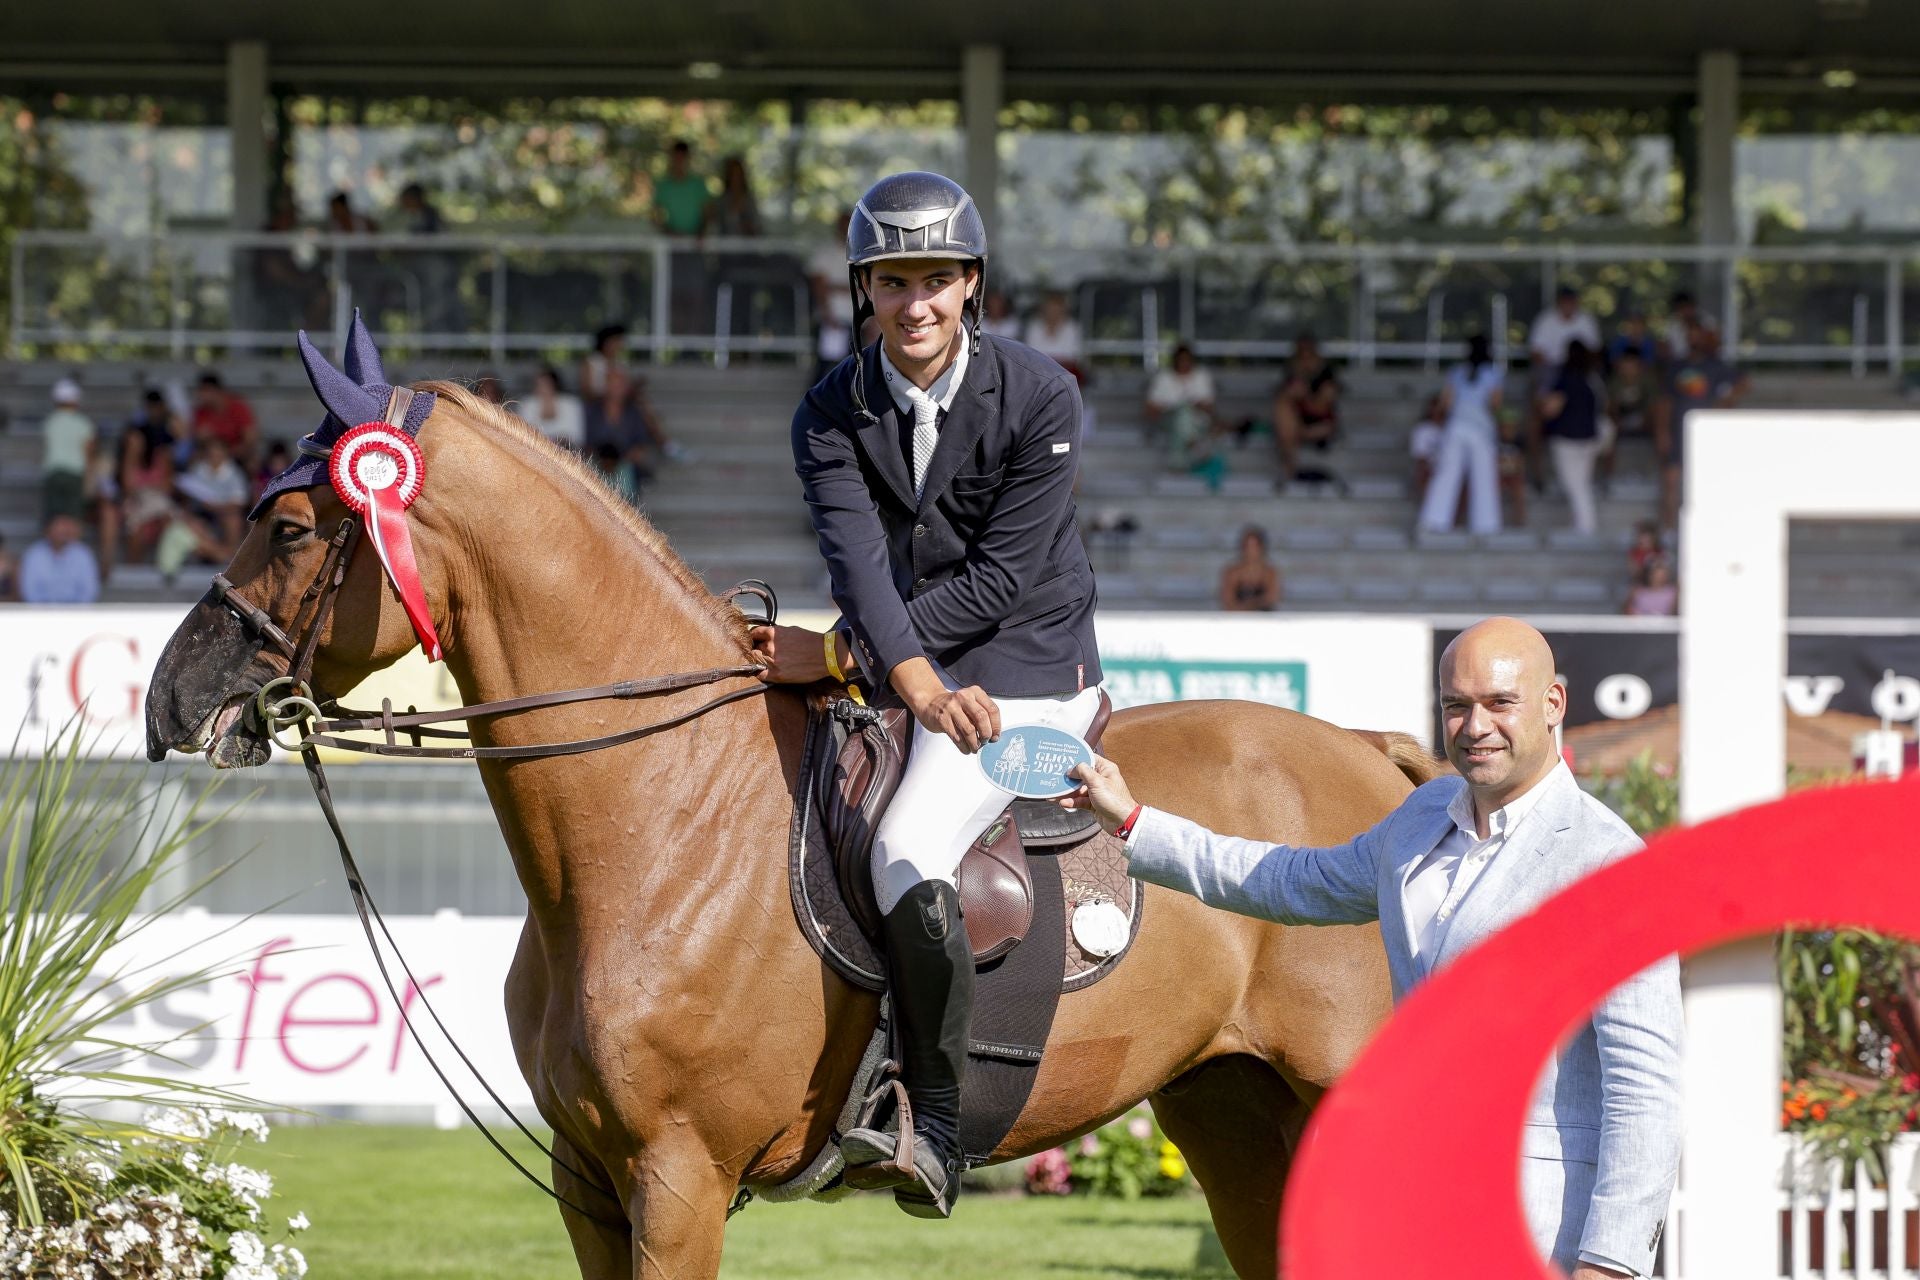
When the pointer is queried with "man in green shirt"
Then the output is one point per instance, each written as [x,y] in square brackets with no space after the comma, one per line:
[67,438]
[680,199]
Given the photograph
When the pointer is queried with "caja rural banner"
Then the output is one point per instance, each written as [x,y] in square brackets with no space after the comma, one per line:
[59,664]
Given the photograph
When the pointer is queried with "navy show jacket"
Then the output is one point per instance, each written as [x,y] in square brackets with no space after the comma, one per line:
[985,573]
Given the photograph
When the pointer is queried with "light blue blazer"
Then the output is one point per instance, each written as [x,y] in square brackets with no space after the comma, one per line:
[1603,1135]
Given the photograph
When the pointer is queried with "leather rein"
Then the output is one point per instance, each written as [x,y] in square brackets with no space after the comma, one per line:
[287,703]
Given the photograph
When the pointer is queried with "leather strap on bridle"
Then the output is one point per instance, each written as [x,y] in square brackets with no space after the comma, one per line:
[298,707]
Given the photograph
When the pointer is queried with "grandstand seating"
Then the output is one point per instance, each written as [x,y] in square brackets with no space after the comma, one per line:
[735,511]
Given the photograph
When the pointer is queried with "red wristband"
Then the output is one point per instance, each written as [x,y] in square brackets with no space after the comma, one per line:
[1125,829]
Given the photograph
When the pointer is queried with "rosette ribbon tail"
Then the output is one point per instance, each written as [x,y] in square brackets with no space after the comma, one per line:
[387,525]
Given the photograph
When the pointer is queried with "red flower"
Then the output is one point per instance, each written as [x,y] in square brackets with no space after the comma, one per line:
[1819,1111]
[1911,1082]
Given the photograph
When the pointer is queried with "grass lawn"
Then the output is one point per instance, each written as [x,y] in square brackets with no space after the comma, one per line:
[394,1202]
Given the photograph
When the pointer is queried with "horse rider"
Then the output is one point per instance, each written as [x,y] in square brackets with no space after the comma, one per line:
[1458,859]
[938,465]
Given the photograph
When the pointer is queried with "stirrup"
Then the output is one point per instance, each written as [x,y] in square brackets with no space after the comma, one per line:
[877,1159]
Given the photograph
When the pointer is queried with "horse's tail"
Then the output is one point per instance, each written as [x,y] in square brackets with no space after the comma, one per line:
[1406,753]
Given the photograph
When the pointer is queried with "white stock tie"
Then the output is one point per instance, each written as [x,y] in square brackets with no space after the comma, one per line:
[926,434]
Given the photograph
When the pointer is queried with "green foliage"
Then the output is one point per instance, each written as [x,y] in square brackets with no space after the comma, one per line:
[82,872]
[1126,1158]
[1646,794]
[1850,1013]
[1852,1040]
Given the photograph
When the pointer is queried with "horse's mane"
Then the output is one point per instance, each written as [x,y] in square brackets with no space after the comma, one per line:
[651,540]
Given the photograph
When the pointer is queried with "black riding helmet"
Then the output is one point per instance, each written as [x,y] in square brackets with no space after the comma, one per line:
[912,215]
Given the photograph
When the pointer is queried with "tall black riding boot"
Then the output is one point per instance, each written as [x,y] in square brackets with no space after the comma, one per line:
[931,965]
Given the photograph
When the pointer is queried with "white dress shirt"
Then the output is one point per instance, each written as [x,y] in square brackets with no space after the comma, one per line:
[1442,879]
[925,407]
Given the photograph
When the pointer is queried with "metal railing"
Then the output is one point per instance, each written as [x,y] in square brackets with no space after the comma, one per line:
[183,292]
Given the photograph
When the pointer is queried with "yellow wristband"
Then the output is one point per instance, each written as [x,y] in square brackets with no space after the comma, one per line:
[833,658]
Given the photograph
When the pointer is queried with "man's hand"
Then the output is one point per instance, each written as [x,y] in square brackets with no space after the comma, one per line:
[968,716]
[1102,790]
[789,655]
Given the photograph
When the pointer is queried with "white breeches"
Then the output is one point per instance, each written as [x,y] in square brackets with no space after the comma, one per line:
[945,801]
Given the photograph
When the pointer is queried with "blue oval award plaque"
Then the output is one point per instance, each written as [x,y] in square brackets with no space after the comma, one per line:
[1031,761]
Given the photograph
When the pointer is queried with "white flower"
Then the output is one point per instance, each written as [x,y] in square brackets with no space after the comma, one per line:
[298,1222]
[246,1248]
[98,1171]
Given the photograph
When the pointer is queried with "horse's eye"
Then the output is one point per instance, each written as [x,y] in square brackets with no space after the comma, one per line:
[285,531]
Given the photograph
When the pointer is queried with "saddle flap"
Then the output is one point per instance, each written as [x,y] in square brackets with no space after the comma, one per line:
[996,891]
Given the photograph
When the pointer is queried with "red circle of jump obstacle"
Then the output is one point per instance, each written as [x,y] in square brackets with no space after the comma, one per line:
[1411,1166]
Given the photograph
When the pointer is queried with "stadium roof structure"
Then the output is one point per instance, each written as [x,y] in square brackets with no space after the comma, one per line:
[834,48]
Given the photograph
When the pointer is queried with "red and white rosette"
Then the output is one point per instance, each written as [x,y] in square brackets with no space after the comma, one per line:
[377,470]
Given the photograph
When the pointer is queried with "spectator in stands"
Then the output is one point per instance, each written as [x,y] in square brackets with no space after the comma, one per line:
[1052,332]
[1180,403]
[418,217]
[1571,414]
[142,462]
[217,490]
[59,569]
[1250,583]
[1702,380]
[1683,312]
[344,220]
[156,423]
[1654,594]
[1423,443]
[609,355]
[1631,393]
[1646,545]
[1553,329]
[1634,339]
[680,198]
[558,416]
[999,319]
[1469,454]
[219,414]
[9,575]
[832,301]
[733,212]
[68,441]
[623,418]
[489,388]
[1306,407]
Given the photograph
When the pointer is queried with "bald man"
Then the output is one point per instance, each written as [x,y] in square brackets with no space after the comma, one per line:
[1458,859]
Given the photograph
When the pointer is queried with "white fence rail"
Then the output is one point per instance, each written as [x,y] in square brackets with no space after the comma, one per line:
[1833,305]
[1835,1223]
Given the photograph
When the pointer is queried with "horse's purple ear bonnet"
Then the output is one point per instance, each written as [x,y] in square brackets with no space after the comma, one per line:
[358,395]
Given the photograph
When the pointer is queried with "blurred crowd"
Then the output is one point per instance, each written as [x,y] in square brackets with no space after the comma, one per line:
[171,483]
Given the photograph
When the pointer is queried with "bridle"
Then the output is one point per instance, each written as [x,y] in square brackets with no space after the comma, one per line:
[288,703]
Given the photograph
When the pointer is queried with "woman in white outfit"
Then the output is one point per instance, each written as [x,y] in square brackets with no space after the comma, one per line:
[1470,448]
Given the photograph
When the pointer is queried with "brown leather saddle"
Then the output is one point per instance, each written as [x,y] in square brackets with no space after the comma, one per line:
[868,747]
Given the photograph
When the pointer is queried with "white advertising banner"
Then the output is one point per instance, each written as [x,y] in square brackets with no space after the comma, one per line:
[296,1014]
[1361,672]
[90,663]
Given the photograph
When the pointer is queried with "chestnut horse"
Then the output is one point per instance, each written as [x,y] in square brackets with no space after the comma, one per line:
[674,1026]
